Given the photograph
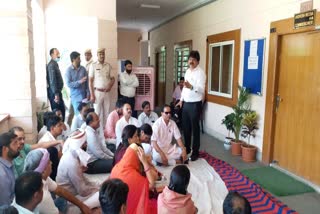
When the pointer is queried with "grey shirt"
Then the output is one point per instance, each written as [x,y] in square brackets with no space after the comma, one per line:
[7,182]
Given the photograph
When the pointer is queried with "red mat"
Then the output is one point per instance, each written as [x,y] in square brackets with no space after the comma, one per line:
[260,200]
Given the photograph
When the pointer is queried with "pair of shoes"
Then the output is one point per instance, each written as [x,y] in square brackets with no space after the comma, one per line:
[194,157]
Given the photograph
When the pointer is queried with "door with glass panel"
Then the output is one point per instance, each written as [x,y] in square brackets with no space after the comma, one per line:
[161,76]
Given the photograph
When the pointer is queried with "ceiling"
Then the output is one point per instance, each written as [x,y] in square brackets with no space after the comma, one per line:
[130,14]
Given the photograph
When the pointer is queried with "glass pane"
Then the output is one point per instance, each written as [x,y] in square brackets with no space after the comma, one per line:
[226,74]
[215,68]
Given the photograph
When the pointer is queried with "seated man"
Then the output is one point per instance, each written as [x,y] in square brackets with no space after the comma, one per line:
[235,203]
[24,149]
[54,129]
[70,172]
[147,116]
[65,128]
[38,160]
[145,133]
[177,91]
[127,119]
[101,157]
[79,119]
[44,129]
[9,150]
[28,192]
[164,130]
[113,196]
[110,129]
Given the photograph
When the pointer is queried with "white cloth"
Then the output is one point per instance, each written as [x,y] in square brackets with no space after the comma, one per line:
[65,133]
[48,137]
[47,204]
[147,148]
[96,145]
[88,65]
[206,186]
[123,123]
[128,84]
[22,210]
[143,118]
[197,78]
[177,93]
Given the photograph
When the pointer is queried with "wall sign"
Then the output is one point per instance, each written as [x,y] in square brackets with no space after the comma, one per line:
[304,19]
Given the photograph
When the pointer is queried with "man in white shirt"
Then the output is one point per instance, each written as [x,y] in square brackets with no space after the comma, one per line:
[101,160]
[191,99]
[164,130]
[177,91]
[100,84]
[128,84]
[126,119]
[54,129]
[79,119]
[88,58]
[147,116]
[28,193]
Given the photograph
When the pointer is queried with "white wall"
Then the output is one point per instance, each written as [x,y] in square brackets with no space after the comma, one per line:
[129,45]
[252,17]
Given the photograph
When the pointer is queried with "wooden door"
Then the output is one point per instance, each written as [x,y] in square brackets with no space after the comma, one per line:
[297,126]
[161,77]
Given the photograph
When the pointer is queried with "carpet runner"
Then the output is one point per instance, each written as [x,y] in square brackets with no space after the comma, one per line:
[260,200]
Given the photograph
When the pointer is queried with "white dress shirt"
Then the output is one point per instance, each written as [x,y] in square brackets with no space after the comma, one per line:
[48,137]
[123,123]
[96,145]
[77,122]
[128,84]
[22,210]
[143,118]
[197,79]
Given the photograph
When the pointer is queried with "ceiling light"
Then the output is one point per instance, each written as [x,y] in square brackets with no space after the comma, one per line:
[150,6]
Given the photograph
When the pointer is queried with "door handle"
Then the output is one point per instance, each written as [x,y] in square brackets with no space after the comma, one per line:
[278,100]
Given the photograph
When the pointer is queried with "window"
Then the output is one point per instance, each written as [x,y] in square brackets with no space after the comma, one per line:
[222,67]
[181,53]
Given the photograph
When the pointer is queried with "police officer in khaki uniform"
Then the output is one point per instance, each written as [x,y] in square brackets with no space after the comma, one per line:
[100,84]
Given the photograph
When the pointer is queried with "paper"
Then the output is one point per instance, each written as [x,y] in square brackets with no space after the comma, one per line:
[253,48]
[253,62]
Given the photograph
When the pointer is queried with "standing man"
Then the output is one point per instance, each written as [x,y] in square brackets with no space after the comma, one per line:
[89,60]
[77,80]
[9,150]
[191,98]
[128,84]
[100,84]
[55,82]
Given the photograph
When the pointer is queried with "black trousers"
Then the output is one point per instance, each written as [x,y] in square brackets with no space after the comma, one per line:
[55,105]
[100,166]
[54,158]
[131,101]
[191,127]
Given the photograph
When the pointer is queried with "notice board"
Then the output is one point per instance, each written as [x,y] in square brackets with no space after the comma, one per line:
[253,65]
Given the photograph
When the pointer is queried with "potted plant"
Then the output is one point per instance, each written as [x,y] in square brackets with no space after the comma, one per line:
[228,122]
[249,127]
[239,110]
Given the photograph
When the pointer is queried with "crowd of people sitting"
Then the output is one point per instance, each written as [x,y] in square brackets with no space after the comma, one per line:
[51,176]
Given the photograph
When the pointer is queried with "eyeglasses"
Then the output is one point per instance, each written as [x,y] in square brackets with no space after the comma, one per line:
[167,112]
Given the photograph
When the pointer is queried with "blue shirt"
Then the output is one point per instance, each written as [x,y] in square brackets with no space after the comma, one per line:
[78,91]
[7,181]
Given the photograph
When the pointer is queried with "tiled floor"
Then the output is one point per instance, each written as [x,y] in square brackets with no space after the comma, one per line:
[308,203]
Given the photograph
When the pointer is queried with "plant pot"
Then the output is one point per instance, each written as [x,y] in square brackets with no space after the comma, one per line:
[236,147]
[249,153]
[227,143]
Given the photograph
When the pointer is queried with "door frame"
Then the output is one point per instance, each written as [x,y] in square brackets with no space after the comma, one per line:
[277,29]
[157,66]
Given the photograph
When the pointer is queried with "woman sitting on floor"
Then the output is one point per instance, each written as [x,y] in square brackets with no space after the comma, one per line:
[175,198]
[129,170]
[38,160]
[70,171]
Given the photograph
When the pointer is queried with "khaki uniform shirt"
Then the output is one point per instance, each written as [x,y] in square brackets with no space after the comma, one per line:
[101,74]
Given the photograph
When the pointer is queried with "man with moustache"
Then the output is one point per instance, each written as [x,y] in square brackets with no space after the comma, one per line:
[9,150]
[191,99]
[76,77]
[89,60]
[128,84]
[100,84]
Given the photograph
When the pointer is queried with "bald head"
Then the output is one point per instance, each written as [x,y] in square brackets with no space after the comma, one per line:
[234,203]
[93,120]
